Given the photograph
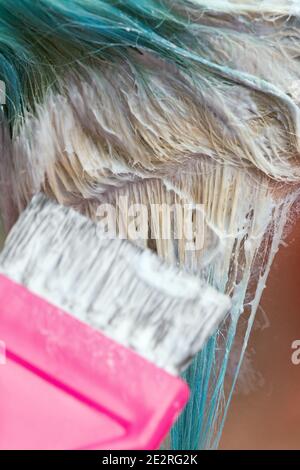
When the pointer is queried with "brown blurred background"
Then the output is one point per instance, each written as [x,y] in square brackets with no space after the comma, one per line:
[269,417]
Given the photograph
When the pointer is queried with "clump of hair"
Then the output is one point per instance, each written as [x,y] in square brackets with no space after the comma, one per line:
[163,101]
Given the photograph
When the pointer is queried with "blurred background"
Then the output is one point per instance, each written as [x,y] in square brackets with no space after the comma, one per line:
[267,415]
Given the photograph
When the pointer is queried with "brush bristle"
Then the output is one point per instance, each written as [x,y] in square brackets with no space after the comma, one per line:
[162,313]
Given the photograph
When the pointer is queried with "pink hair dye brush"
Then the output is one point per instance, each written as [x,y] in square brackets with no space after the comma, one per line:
[104,376]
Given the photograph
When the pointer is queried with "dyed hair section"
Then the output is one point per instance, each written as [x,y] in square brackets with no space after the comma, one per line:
[38,44]
[163,101]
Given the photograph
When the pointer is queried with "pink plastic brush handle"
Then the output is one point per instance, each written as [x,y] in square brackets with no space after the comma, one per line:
[67,386]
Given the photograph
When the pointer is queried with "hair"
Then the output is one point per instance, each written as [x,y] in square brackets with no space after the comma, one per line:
[163,101]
